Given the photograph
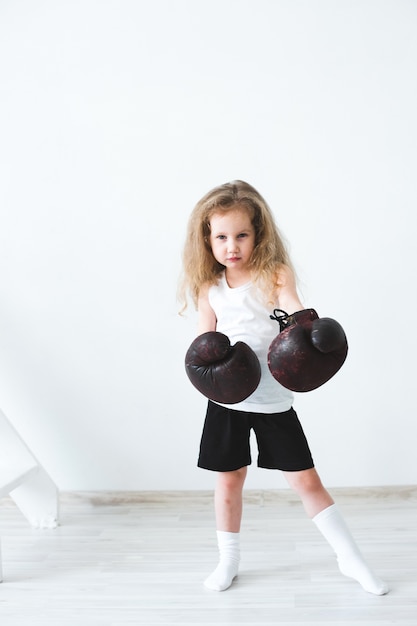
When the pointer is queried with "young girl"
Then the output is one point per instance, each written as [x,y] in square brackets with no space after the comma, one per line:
[237,270]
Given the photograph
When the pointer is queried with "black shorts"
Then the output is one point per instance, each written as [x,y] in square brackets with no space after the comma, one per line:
[225,445]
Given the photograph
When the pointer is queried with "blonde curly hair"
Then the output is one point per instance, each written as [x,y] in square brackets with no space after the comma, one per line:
[199,265]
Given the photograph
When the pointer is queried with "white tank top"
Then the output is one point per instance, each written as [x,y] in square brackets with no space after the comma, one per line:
[242,316]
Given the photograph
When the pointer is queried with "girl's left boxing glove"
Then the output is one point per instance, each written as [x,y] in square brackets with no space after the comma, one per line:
[222,372]
[308,351]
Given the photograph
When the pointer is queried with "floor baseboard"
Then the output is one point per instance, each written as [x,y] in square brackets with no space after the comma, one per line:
[106,497]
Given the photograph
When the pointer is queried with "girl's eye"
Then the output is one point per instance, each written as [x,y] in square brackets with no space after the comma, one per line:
[242,235]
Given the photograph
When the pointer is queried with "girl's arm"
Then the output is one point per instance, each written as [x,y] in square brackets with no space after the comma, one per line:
[288,299]
[206,317]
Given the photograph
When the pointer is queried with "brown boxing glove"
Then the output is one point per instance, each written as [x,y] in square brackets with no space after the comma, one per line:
[220,371]
[308,351]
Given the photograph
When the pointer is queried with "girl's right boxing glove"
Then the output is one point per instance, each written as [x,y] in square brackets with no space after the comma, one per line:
[308,351]
[222,372]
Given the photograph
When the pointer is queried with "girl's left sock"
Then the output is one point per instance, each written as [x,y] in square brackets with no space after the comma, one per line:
[227,569]
[351,562]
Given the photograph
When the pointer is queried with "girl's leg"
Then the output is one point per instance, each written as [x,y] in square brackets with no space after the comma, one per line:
[228,500]
[309,487]
[228,506]
[320,507]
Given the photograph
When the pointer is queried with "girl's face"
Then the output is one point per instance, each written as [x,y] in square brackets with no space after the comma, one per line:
[232,239]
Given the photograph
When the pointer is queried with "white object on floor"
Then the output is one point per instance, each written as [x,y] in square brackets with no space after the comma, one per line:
[25,480]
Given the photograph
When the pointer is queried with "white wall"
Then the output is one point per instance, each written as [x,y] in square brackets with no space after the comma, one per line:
[116,117]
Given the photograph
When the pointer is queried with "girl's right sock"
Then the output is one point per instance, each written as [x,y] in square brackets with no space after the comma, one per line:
[227,569]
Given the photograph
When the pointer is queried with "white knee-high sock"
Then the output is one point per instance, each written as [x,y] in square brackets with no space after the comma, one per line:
[226,571]
[351,563]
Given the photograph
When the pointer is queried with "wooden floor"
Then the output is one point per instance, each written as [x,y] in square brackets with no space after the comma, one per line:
[140,558]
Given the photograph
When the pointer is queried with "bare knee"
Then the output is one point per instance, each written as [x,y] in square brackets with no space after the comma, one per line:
[229,500]
[304,482]
[232,481]
[308,486]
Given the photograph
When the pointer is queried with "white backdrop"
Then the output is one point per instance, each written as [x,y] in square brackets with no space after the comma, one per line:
[116,117]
